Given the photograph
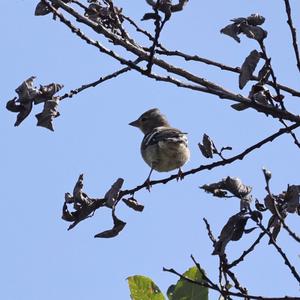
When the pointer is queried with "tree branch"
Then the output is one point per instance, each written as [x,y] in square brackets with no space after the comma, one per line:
[293,31]
[210,87]
[212,165]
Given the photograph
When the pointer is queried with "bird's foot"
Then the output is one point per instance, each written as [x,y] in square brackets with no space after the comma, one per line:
[180,175]
[148,184]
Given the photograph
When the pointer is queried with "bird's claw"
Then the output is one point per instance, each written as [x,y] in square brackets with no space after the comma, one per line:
[180,175]
[148,184]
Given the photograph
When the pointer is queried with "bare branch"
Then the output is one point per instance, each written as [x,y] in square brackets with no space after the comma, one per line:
[210,87]
[246,252]
[293,31]
[97,82]
[281,252]
[224,293]
[214,164]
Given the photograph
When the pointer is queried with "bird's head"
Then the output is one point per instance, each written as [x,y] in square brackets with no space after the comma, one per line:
[149,120]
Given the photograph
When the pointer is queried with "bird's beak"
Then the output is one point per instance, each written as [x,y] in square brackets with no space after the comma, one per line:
[135,123]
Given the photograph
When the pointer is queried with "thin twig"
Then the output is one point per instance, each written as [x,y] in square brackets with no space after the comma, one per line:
[293,31]
[196,58]
[210,234]
[281,252]
[158,29]
[268,61]
[209,86]
[296,141]
[97,82]
[236,294]
[278,214]
[246,252]
[143,31]
[276,87]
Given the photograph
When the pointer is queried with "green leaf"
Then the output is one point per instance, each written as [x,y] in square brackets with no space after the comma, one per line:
[184,290]
[143,288]
[170,291]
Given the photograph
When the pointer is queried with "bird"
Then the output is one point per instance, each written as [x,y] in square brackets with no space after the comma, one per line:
[163,147]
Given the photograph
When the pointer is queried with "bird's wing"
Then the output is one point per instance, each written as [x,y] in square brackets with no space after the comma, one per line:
[165,134]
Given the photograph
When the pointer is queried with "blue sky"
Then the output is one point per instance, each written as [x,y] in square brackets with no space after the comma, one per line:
[40,259]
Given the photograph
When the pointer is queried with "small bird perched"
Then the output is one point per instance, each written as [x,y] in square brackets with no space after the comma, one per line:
[163,148]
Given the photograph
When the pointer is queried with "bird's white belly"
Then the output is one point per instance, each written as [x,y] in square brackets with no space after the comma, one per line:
[166,156]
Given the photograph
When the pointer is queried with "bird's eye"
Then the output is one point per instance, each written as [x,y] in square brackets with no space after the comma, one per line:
[143,119]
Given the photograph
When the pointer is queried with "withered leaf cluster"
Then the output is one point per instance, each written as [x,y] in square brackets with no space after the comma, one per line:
[232,231]
[232,185]
[280,206]
[165,6]
[43,9]
[208,148]
[259,92]
[248,26]
[248,68]
[79,206]
[28,95]
[104,12]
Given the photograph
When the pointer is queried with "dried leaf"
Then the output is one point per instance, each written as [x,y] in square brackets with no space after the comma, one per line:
[253,32]
[132,203]
[79,197]
[111,232]
[67,215]
[230,184]
[69,198]
[232,30]
[165,5]
[179,6]
[278,98]
[239,228]
[239,106]
[275,226]
[45,118]
[232,231]
[118,227]
[248,68]
[42,9]
[239,20]
[46,92]
[29,94]
[271,201]
[247,231]
[255,19]
[248,26]
[264,73]
[12,106]
[207,147]
[259,93]
[22,108]
[259,206]
[236,187]
[292,198]
[26,91]
[150,16]
[256,216]
[112,194]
